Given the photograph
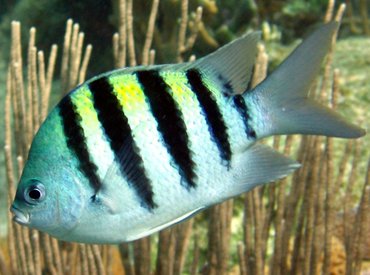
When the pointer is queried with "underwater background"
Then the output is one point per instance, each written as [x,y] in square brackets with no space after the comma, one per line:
[316,221]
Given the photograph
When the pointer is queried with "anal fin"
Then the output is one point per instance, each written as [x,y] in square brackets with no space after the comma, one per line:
[149,231]
[257,165]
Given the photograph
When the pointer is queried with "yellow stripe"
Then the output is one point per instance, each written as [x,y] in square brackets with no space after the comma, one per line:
[131,97]
[84,106]
[97,144]
[180,90]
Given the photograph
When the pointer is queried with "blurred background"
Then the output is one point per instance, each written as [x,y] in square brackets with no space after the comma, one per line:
[315,222]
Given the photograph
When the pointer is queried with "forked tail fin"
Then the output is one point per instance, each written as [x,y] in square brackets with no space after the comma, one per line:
[279,105]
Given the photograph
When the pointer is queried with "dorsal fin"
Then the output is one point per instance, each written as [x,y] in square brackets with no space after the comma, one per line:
[234,61]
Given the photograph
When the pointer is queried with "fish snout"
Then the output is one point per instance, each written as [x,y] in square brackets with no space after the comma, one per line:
[20,216]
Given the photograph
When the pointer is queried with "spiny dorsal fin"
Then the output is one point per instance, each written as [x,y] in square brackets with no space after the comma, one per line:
[234,61]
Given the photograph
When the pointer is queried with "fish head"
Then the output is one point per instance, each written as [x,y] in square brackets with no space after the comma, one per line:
[44,206]
[49,194]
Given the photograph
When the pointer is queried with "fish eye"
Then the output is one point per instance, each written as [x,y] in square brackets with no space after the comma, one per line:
[34,193]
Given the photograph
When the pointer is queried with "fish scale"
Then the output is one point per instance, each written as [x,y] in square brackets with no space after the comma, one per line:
[76,141]
[229,114]
[170,123]
[130,102]
[195,121]
[96,141]
[119,133]
[212,112]
[156,159]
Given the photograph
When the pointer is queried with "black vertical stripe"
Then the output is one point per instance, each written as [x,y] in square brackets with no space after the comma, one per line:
[170,122]
[118,132]
[216,124]
[76,141]
[240,105]
[227,89]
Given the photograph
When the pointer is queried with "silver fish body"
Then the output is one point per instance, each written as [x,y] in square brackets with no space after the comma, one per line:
[133,151]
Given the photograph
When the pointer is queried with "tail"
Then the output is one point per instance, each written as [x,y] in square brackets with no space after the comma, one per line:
[279,105]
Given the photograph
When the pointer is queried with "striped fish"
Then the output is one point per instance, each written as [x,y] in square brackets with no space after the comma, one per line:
[135,150]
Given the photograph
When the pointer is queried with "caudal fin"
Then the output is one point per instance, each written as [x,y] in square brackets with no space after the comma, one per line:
[282,99]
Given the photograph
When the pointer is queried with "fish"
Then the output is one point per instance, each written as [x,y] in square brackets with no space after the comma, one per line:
[136,150]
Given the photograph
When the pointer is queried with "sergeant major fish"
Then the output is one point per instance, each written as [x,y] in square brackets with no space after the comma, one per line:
[135,150]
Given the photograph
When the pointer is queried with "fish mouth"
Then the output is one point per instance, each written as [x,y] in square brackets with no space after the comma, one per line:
[19,216]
